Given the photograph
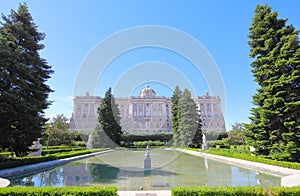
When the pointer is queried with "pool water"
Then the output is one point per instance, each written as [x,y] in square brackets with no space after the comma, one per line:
[124,169]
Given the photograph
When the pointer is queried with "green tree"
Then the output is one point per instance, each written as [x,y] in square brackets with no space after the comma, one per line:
[275,127]
[23,76]
[235,135]
[197,139]
[177,93]
[108,117]
[58,133]
[189,119]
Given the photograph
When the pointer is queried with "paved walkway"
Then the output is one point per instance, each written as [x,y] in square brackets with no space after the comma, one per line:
[290,177]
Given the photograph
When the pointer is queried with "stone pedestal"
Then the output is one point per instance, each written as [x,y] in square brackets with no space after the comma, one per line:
[204,147]
[147,162]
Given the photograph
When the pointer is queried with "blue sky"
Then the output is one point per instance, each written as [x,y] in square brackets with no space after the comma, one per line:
[75,28]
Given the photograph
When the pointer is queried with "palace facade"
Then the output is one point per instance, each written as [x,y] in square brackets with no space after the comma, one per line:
[145,112]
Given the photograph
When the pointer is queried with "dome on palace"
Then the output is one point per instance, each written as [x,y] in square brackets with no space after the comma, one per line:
[147,92]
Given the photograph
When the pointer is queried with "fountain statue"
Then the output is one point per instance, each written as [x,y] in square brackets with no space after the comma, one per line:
[89,144]
[204,143]
[147,160]
[36,149]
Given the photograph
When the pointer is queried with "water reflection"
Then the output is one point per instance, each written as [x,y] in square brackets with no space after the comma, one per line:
[184,170]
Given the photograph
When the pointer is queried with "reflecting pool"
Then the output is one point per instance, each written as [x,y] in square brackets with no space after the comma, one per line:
[125,170]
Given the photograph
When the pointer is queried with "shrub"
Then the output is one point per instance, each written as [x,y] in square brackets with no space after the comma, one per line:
[163,137]
[225,191]
[145,143]
[5,155]
[59,191]
[53,151]
[244,154]
[239,190]
[19,161]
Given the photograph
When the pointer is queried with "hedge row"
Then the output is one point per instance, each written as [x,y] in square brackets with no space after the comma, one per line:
[239,190]
[20,161]
[59,191]
[5,155]
[163,137]
[233,154]
[57,150]
[176,191]
[238,154]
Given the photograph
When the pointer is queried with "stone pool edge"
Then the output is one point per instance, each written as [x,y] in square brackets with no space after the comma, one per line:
[17,171]
[289,175]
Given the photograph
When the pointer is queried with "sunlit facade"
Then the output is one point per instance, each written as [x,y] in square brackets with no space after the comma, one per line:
[145,112]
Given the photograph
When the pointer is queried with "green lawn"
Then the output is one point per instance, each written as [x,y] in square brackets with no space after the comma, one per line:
[245,155]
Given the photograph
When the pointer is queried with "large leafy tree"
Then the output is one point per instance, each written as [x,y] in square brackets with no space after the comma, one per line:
[189,119]
[177,93]
[108,117]
[274,128]
[23,75]
[57,132]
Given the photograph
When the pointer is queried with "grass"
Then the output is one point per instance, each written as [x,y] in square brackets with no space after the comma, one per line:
[20,161]
[245,155]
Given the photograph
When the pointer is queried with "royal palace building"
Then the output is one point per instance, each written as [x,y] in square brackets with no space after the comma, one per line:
[145,113]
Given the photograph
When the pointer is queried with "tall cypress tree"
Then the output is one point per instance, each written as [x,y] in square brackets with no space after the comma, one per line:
[23,92]
[198,136]
[189,119]
[275,126]
[108,119]
[175,114]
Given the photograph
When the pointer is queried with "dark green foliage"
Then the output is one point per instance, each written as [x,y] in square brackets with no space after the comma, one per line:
[144,144]
[101,139]
[59,191]
[144,139]
[240,190]
[163,137]
[103,173]
[108,132]
[224,191]
[235,135]
[176,113]
[57,132]
[275,120]
[58,150]
[23,76]
[216,135]
[245,155]
[20,161]
[189,119]
[197,139]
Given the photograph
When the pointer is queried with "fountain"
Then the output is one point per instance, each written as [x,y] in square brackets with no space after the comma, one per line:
[204,143]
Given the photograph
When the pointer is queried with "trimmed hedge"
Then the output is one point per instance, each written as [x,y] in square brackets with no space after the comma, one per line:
[163,137]
[20,161]
[239,190]
[238,154]
[59,191]
[57,150]
[150,143]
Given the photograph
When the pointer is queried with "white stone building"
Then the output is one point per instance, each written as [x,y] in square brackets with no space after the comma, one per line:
[145,113]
